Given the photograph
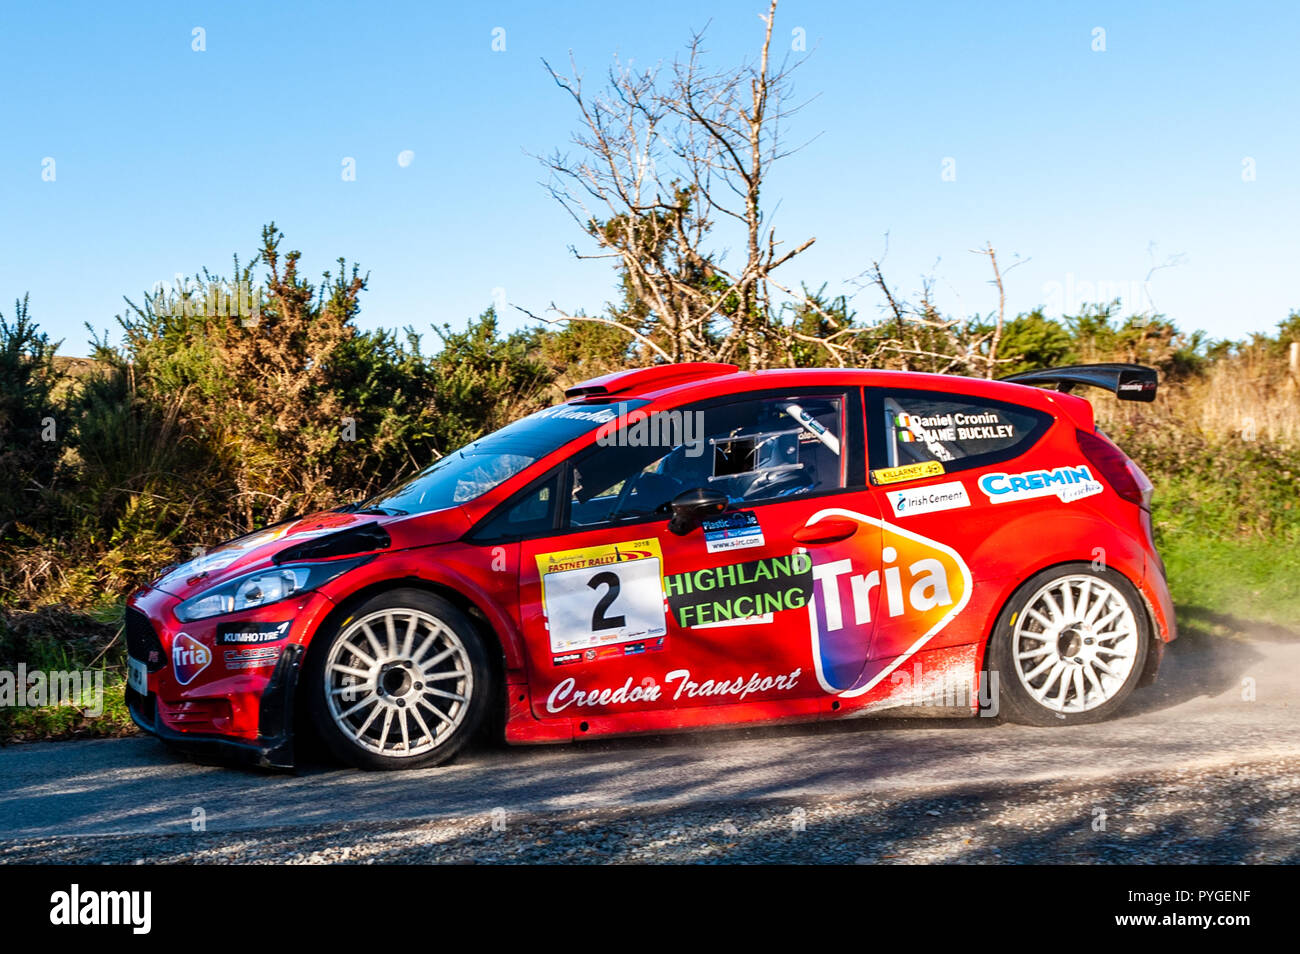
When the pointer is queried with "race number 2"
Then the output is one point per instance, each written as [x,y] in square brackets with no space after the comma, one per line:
[603,595]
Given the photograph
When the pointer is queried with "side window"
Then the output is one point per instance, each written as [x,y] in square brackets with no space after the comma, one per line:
[529,512]
[956,430]
[751,450]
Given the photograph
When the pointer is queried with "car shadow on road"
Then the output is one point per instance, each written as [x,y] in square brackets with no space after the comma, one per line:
[1065,822]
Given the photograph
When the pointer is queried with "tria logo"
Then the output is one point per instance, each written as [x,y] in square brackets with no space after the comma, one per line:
[189,658]
[910,588]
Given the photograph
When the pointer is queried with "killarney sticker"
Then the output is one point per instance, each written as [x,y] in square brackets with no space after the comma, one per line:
[946,496]
[894,475]
[733,531]
[602,596]
[1065,483]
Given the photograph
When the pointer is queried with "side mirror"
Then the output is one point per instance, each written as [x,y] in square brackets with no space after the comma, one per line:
[691,507]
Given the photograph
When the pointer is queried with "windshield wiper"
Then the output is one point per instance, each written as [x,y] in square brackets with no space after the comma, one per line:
[356,507]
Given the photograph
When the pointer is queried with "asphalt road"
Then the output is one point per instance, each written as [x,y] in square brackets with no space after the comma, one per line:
[1224,704]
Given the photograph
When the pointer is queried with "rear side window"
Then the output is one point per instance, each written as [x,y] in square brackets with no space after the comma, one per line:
[958,431]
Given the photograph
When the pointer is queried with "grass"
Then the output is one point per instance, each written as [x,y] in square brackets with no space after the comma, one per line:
[1224,586]
[49,723]
[57,639]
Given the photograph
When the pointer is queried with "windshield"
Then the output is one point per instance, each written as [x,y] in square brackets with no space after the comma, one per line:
[476,468]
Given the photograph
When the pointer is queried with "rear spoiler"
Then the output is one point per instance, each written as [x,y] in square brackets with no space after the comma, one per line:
[1128,382]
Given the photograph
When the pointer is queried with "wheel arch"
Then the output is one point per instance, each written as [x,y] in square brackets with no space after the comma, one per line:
[1152,661]
[345,606]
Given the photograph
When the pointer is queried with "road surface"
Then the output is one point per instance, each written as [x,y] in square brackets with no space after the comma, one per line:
[1219,731]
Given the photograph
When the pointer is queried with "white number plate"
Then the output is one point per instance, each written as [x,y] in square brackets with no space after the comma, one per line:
[137,677]
[610,604]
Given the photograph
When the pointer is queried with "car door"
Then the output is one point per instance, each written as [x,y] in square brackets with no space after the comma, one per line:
[927,450]
[622,614]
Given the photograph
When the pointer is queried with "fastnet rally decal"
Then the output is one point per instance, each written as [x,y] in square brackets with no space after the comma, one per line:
[946,496]
[603,595]
[678,685]
[921,585]
[1067,483]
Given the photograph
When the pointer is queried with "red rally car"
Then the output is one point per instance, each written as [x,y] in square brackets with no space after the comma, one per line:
[682,546]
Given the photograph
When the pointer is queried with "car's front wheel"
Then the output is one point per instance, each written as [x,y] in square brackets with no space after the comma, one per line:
[1070,646]
[403,681]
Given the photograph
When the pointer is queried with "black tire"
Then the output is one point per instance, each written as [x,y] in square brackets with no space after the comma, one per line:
[403,699]
[1077,654]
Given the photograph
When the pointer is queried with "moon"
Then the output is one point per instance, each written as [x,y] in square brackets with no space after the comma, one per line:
[405,157]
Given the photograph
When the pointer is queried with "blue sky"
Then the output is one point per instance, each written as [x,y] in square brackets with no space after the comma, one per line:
[1094,166]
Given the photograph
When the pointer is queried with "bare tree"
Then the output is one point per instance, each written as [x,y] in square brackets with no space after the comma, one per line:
[668,173]
[917,336]
[994,335]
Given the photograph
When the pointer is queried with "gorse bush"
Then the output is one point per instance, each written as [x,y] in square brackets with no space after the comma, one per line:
[29,448]
[199,426]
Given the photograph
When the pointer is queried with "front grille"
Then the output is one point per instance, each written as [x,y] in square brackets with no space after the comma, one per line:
[142,642]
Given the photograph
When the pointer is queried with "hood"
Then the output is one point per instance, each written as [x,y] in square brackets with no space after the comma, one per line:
[318,536]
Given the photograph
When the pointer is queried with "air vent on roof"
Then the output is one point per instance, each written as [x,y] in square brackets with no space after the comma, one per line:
[649,379]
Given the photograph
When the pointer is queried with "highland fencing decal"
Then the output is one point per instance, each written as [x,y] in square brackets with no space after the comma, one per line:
[911,585]
[739,591]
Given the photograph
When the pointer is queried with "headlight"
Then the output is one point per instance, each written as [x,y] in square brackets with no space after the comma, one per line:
[262,587]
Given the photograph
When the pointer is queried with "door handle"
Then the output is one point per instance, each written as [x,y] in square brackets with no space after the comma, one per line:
[827,531]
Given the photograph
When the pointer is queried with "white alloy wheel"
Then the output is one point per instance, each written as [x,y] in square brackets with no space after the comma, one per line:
[398,682]
[1075,643]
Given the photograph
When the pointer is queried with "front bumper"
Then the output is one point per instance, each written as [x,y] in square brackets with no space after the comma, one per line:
[274,746]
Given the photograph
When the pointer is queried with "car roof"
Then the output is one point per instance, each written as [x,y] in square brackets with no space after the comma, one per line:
[672,383]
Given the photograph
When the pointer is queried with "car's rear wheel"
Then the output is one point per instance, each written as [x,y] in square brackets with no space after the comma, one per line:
[1070,646]
[403,681]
